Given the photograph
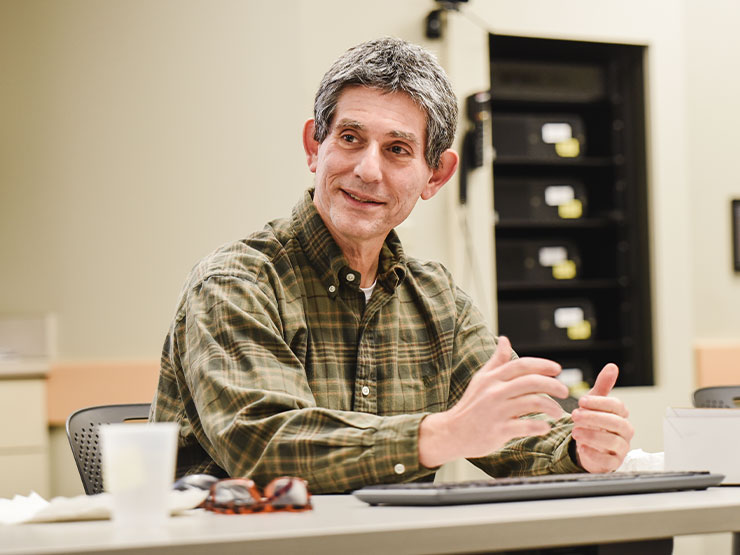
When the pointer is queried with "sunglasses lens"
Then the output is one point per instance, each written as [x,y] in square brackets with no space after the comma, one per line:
[234,492]
[195,481]
[287,491]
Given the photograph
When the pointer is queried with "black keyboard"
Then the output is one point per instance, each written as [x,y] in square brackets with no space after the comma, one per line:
[550,486]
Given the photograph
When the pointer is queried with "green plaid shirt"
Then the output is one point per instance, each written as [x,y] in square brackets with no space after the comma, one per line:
[274,364]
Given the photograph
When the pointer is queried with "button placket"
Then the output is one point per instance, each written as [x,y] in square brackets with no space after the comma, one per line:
[365,396]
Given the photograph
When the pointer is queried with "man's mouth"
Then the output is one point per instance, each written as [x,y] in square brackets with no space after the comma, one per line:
[359,199]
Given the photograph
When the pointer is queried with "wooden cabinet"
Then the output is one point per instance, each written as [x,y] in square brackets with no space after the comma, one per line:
[24,442]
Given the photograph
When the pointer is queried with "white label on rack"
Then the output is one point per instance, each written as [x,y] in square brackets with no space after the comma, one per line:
[557,195]
[571,376]
[553,133]
[568,316]
[549,256]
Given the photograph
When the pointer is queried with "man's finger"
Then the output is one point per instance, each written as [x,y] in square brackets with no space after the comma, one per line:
[603,404]
[605,381]
[532,403]
[503,350]
[501,355]
[525,366]
[597,461]
[533,383]
[603,421]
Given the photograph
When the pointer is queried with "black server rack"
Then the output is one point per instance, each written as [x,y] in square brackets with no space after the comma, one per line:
[570,198]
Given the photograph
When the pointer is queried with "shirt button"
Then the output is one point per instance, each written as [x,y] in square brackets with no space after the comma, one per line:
[365,390]
[399,469]
[332,289]
[350,277]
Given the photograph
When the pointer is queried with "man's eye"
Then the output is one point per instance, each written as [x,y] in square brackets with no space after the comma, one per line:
[349,138]
[396,149]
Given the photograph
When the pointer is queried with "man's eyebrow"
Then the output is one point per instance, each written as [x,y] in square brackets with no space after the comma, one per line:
[410,137]
[352,124]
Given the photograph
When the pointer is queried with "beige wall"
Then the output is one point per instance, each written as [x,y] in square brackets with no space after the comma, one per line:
[136,136]
[713,88]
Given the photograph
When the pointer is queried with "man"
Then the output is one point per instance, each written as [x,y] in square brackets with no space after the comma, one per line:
[317,348]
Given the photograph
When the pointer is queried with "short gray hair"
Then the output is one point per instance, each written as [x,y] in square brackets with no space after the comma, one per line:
[393,65]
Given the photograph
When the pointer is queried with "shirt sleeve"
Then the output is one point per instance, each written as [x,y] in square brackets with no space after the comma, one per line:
[535,455]
[254,413]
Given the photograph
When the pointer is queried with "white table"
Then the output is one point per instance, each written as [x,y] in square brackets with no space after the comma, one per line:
[342,524]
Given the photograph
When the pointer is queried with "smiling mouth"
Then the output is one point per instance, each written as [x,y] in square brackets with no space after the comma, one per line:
[362,200]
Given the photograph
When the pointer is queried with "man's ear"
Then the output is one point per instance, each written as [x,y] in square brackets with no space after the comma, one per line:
[310,145]
[445,170]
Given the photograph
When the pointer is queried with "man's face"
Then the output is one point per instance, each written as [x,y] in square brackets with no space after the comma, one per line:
[370,170]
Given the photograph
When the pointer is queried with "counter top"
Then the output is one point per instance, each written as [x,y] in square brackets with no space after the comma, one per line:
[343,524]
[15,368]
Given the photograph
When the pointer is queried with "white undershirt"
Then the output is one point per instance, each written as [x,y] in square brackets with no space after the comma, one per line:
[369,291]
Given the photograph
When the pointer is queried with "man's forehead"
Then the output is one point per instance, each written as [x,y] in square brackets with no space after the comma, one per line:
[346,114]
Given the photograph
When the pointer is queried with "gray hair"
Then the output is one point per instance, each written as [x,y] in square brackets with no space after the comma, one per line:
[393,65]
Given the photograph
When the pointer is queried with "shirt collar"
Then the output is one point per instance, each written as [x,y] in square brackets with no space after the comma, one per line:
[327,259]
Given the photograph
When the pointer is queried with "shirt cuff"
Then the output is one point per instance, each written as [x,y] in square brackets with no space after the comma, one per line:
[562,461]
[397,449]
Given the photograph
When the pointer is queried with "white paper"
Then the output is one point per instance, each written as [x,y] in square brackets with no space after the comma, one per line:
[700,439]
[34,508]
[21,508]
[702,413]
[638,460]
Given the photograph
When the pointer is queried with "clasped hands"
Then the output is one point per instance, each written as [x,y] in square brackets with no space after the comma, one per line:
[488,414]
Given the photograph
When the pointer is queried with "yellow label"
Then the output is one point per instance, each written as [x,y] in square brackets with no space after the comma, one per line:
[579,389]
[571,210]
[564,270]
[569,148]
[579,331]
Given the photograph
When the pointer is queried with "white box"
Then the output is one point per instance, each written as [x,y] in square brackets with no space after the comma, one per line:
[703,439]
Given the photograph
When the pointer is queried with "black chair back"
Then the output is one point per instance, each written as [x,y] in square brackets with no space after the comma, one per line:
[82,433]
[718,397]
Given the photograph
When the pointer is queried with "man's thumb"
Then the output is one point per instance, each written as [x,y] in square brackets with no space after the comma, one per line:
[605,380]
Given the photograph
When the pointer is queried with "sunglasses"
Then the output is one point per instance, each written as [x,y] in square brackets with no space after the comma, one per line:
[241,495]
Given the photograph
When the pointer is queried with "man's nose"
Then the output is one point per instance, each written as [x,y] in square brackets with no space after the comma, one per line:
[368,166]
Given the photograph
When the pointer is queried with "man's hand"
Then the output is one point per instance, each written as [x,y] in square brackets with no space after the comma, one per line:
[488,414]
[602,432]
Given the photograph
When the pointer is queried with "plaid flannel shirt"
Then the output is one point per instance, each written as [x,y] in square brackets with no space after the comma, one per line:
[275,365]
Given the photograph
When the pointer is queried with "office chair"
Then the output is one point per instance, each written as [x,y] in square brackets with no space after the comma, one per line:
[718,397]
[82,433]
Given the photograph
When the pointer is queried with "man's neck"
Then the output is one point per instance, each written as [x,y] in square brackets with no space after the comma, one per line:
[363,259]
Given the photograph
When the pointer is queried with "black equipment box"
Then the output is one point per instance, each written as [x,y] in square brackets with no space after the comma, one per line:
[539,199]
[534,81]
[559,322]
[525,260]
[533,137]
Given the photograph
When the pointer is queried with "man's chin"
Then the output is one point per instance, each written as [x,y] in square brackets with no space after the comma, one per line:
[358,230]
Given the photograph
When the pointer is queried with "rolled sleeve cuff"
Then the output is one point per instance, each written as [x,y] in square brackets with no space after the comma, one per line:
[397,449]
[562,462]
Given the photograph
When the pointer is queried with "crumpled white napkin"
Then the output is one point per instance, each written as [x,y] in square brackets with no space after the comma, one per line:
[638,460]
[34,508]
